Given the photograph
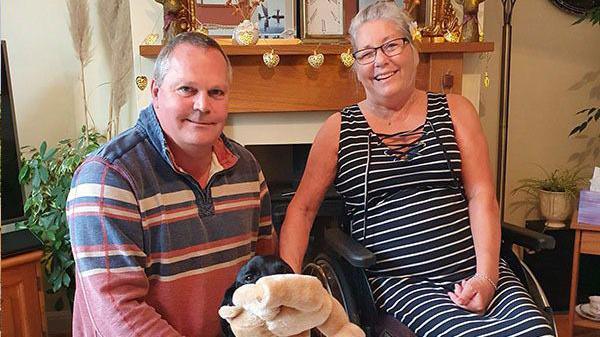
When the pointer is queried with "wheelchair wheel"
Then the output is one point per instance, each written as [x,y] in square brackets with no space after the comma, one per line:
[329,271]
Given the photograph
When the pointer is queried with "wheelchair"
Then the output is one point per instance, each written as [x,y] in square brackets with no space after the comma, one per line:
[339,262]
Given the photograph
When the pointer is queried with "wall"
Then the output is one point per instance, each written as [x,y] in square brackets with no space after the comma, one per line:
[247,128]
[45,73]
[555,72]
[550,56]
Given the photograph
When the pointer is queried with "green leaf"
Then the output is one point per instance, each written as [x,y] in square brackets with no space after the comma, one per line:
[66,280]
[24,174]
[50,154]
[43,171]
[36,179]
[56,285]
[43,148]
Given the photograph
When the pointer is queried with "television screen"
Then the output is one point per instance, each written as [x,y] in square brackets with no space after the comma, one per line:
[12,192]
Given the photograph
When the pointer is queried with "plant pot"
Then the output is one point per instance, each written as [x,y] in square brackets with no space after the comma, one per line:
[246,33]
[555,208]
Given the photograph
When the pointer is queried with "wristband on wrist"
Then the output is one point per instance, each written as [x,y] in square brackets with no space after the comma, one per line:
[485,277]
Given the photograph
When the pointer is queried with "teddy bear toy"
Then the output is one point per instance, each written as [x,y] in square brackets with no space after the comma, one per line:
[287,305]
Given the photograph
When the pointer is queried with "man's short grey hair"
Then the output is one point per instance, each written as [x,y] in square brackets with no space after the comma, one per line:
[381,10]
[161,66]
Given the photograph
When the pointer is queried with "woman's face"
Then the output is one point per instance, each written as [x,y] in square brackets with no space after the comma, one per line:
[387,76]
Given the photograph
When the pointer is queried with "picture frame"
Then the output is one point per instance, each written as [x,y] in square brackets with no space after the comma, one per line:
[215,15]
[350,9]
[275,18]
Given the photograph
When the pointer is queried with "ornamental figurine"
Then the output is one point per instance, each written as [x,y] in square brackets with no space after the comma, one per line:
[470,25]
[176,18]
[443,20]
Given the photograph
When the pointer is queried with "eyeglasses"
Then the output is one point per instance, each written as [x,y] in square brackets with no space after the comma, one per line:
[390,48]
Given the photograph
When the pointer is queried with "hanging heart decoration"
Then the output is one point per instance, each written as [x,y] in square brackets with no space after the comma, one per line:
[271,59]
[347,59]
[141,82]
[316,60]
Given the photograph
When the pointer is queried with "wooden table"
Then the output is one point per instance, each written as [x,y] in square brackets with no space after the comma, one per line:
[587,241]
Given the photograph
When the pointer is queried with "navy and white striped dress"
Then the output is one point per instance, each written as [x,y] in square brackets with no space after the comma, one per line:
[417,224]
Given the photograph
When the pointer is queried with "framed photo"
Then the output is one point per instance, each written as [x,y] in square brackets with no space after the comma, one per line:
[276,19]
[326,19]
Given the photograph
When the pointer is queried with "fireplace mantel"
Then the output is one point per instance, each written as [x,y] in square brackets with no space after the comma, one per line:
[294,86]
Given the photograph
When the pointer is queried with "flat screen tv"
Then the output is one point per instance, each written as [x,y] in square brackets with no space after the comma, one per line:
[12,192]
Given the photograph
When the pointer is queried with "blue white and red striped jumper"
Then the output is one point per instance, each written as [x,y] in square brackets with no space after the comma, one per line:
[155,252]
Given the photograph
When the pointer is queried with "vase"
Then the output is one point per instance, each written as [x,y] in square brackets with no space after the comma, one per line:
[246,33]
[555,207]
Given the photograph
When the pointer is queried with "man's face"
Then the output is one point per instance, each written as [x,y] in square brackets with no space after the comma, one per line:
[191,104]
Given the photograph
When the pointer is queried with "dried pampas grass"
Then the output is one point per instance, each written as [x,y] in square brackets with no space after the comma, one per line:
[81,33]
[116,33]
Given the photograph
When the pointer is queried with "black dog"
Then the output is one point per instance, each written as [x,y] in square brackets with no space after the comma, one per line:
[253,270]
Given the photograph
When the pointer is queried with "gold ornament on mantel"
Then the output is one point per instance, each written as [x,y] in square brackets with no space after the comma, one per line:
[150,39]
[316,60]
[443,22]
[470,25]
[270,59]
[347,58]
[175,18]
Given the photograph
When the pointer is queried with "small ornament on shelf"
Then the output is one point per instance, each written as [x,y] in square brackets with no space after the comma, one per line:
[150,39]
[444,23]
[247,32]
[316,60]
[270,59]
[175,18]
[347,58]
[470,24]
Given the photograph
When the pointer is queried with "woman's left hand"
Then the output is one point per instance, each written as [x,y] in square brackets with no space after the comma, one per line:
[474,294]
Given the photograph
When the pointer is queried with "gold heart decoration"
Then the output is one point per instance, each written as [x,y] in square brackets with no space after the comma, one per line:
[316,60]
[246,38]
[347,59]
[271,59]
[150,39]
[141,82]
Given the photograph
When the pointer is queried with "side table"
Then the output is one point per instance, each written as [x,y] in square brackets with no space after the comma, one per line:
[552,268]
[587,241]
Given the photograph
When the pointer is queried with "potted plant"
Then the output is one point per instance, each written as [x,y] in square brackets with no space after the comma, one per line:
[48,173]
[554,194]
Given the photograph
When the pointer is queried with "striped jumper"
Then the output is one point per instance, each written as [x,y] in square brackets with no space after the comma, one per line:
[417,225]
[154,252]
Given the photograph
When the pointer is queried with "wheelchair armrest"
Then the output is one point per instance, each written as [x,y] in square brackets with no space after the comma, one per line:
[350,250]
[526,238]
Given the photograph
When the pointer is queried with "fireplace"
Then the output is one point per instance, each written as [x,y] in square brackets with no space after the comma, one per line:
[283,166]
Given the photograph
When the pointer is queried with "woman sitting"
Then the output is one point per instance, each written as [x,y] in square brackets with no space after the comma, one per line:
[413,170]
